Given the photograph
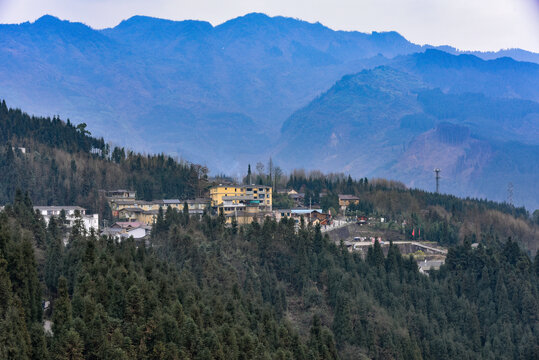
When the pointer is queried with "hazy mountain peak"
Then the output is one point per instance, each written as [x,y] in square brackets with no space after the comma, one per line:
[138,20]
[48,29]
[54,23]
[388,36]
[48,19]
[138,29]
[254,16]
[261,20]
[148,21]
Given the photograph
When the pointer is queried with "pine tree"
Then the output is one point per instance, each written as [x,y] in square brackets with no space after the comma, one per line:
[375,257]
[23,271]
[342,326]
[34,287]
[39,342]
[62,313]
[185,213]
[134,307]
[394,259]
[14,337]
[69,346]
[53,256]
[315,337]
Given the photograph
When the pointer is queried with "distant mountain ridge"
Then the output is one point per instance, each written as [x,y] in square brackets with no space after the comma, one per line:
[188,64]
[398,124]
[254,67]
[502,77]
[238,92]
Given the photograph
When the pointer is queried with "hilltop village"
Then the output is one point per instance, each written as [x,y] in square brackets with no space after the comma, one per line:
[238,204]
[242,205]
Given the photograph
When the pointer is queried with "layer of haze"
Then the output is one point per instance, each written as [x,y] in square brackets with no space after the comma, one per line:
[468,25]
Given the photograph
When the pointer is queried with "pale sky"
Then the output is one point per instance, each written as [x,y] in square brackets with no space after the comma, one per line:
[465,24]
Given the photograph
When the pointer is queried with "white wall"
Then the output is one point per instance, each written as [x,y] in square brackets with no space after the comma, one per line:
[89,221]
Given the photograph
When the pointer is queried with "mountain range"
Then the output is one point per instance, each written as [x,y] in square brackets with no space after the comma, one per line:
[393,124]
[258,86]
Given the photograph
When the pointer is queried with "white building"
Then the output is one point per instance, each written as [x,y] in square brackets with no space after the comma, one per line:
[125,229]
[71,213]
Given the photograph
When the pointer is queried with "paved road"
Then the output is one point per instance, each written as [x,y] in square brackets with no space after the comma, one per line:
[415,243]
[438,250]
[336,225]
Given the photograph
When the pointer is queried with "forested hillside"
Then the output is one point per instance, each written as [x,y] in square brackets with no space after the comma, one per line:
[63,164]
[201,290]
[262,291]
[446,219]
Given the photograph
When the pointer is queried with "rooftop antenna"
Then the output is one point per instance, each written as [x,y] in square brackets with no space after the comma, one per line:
[437,171]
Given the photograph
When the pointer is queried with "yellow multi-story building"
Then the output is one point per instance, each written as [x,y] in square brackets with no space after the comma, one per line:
[240,200]
[236,194]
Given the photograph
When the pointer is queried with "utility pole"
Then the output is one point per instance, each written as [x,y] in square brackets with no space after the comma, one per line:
[437,171]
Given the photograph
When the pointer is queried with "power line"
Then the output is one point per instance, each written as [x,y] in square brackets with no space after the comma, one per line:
[437,171]
[510,193]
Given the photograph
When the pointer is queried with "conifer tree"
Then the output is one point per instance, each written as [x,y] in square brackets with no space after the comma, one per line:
[69,346]
[185,213]
[53,256]
[38,342]
[342,326]
[62,312]
[14,337]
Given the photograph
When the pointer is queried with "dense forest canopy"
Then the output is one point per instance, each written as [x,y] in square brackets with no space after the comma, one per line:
[205,291]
